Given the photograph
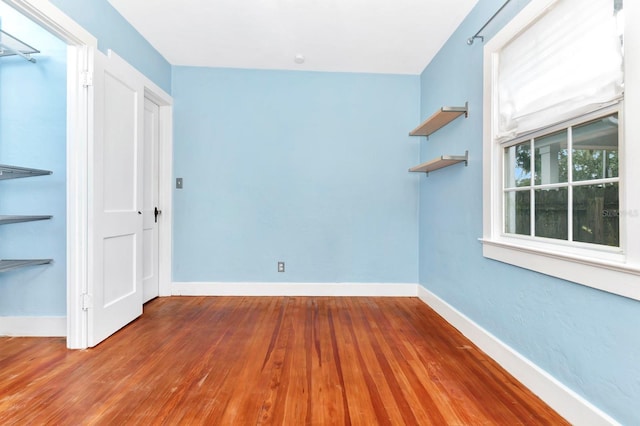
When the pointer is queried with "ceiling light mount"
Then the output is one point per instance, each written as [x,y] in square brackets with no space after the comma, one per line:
[299,59]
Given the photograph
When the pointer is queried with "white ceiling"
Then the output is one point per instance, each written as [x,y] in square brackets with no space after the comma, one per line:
[377,36]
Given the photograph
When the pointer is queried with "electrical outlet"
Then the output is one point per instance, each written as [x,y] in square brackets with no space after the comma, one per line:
[280,266]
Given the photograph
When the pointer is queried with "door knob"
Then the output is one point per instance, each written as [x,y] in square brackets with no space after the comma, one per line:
[156,213]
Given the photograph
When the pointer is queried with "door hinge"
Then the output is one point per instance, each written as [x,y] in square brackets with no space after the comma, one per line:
[87,302]
[87,78]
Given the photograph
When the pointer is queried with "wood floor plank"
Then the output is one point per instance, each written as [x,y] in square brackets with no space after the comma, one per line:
[267,361]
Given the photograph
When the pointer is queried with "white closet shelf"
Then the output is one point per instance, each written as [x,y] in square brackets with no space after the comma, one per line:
[440,162]
[5,219]
[439,119]
[8,265]
[12,172]
[9,45]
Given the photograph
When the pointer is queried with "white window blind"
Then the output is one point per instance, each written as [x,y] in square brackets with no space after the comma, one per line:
[566,63]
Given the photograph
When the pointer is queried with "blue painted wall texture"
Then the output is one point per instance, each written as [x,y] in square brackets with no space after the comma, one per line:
[33,134]
[115,33]
[586,338]
[307,168]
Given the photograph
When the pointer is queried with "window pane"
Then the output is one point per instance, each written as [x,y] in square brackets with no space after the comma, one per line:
[551,213]
[551,158]
[517,165]
[595,149]
[596,214]
[518,212]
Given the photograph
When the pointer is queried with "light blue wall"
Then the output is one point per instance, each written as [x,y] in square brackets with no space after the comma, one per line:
[587,339]
[308,168]
[115,33]
[33,134]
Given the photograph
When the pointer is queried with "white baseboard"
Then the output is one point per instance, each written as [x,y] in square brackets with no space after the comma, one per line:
[293,289]
[567,403]
[33,326]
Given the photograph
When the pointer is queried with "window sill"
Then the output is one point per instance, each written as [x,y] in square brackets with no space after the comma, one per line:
[611,276]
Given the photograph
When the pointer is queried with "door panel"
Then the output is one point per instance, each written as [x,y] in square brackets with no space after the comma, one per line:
[120,280]
[150,226]
[119,150]
[115,180]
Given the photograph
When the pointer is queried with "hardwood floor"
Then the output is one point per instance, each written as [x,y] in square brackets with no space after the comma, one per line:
[278,360]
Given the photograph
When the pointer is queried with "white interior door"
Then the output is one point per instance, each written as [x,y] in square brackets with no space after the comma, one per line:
[115,215]
[150,210]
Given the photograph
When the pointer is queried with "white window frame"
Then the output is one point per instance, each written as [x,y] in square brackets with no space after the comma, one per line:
[615,271]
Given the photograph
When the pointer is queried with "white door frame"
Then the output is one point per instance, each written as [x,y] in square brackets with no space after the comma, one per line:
[78,63]
[165,183]
[151,202]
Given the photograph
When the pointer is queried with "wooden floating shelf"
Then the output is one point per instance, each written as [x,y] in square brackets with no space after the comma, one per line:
[439,119]
[8,265]
[4,219]
[440,162]
[12,172]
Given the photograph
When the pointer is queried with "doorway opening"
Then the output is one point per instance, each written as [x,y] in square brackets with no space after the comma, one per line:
[33,145]
[73,255]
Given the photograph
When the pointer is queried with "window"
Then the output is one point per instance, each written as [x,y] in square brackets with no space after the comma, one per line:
[560,194]
[564,184]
